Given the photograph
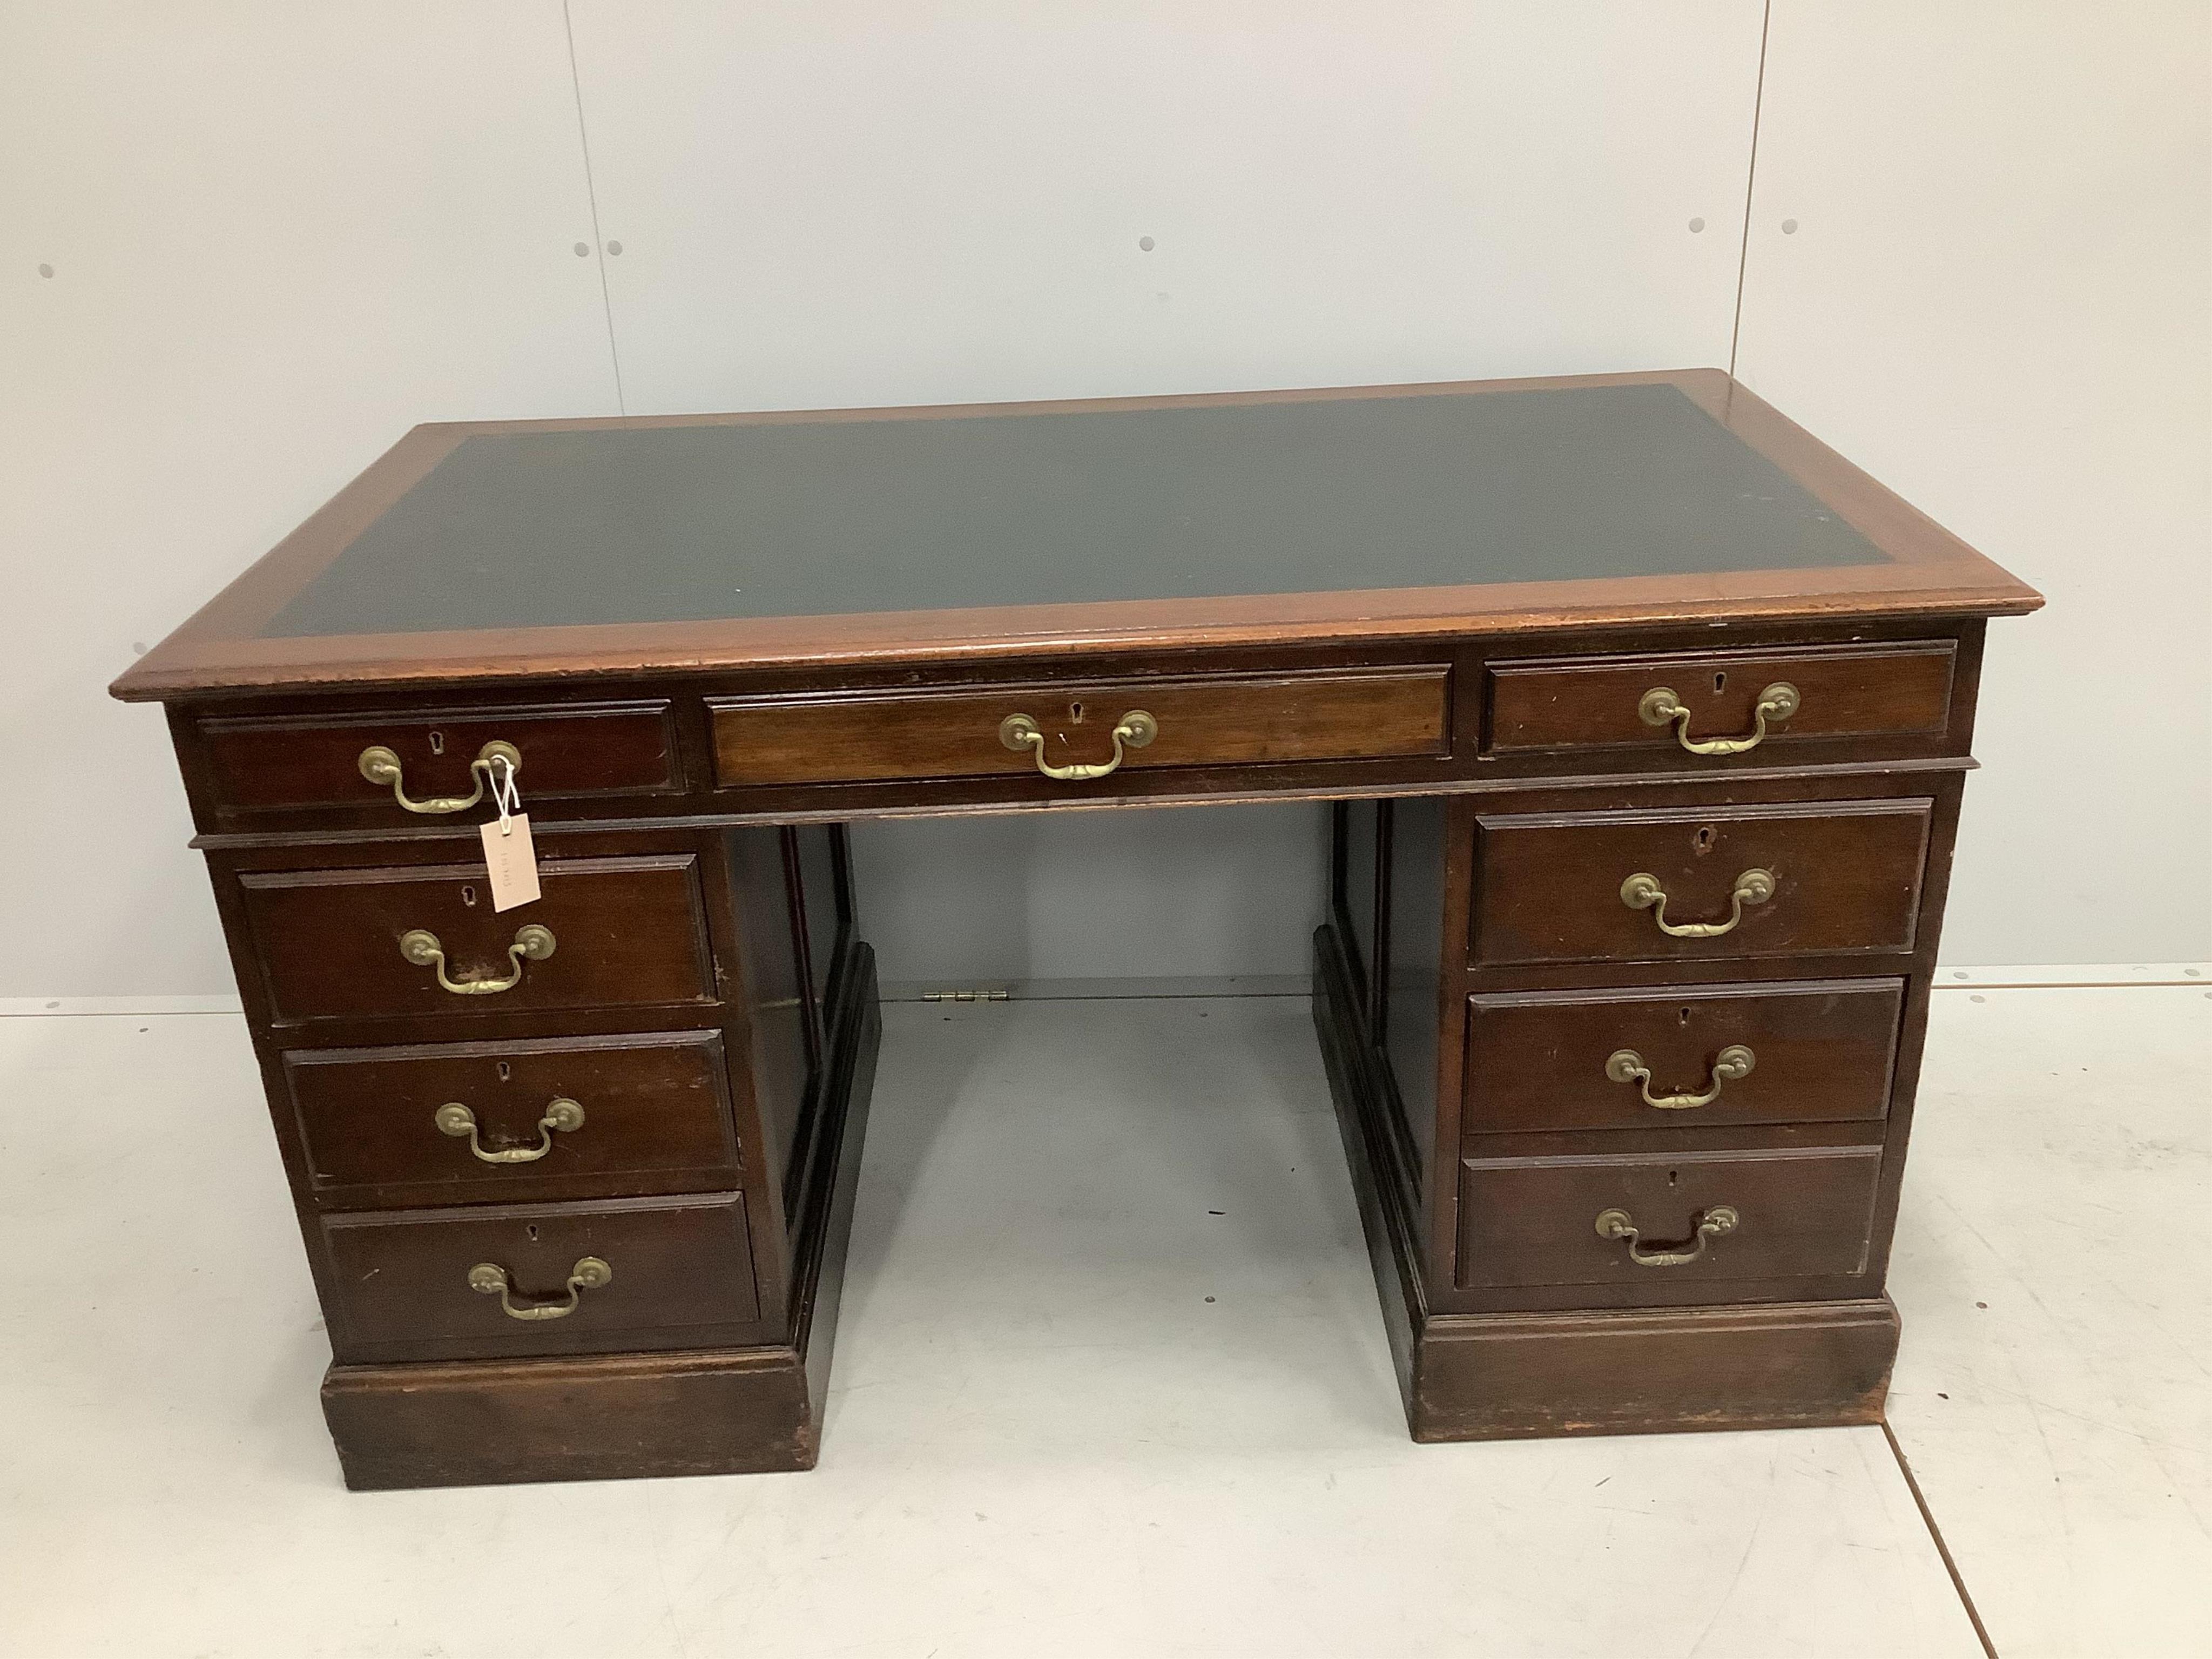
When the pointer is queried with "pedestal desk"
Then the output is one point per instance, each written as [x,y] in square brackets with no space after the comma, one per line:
[1644,716]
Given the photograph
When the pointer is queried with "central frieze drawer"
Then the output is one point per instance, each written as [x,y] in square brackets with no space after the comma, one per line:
[1690,1056]
[608,932]
[540,1279]
[1218,720]
[497,1121]
[1699,884]
[1646,1220]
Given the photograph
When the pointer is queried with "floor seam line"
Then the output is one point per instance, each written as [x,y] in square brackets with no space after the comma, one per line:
[1935,1532]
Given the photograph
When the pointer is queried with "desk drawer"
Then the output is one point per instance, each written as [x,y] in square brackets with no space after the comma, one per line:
[1731,882]
[1818,1052]
[1716,1215]
[572,751]
[430,1282]
[625,932]
[1711,702]
[1220,721]
[545,1114]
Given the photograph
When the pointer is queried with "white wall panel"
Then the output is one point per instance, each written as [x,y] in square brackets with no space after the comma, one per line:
[1998,300]
[824,201]
[279,234]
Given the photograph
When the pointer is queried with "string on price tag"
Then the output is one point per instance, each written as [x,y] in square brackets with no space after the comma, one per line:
[508,855]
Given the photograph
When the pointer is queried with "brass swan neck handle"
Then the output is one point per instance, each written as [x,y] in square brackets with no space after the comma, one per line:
[1661,706]
[381,766]
[562,1116]
[1133,731]
[1705,1224]
[1642,891]
[1626,1065]
[489,1278]
[531,944]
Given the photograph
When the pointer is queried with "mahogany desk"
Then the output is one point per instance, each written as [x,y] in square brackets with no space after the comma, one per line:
[1646,718]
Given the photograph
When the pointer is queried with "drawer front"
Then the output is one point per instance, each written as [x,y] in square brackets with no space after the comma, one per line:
[1227,719]
[626,931]
[1626,703]
[431,1281]
[1746,881]
[501,1121]
[1818,1052]
[572,751]
[1766,1215]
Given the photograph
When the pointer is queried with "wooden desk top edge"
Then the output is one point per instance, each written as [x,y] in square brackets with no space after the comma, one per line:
[1931,574]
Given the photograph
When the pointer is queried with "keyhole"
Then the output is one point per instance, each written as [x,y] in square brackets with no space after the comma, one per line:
[506,1072]
[1075,713]
[1719,681]
[468,896]
[1672,1175]
[437,742]
[533,1231]
[1705,839]
[1686,1020]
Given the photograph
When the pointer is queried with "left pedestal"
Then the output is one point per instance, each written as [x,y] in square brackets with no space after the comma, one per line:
[575,1179]
[728,1411]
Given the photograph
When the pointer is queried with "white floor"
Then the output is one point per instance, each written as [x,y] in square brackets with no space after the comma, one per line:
[1111,1381]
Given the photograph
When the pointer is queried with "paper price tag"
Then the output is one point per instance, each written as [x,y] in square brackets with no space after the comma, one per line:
[512,860]
[508,855]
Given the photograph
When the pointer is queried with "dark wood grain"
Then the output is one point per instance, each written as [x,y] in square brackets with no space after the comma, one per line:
[1226,721]
[1782,1365]
[1804,1213]
[657,1118]
[771,982]
[682,1275]
[1413,1021]
[624,1416]
[569,753]
[1822,1052]
[822,1235]
[1390,1209]
[627,930]
[1846,878]
[1584,702]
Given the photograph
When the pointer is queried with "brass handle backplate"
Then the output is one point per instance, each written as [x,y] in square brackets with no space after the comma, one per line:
[1661,706]
[1706,1225]
[1626,1065]
[489,1278]
[561,1116]
[381,766]
[1642,891]
[531,943]
[1134,729]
